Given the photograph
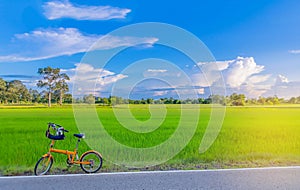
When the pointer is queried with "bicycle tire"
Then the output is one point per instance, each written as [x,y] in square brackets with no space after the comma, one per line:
[94,157]
[45,163]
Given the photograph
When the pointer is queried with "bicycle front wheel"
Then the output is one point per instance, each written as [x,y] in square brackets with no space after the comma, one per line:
[91,162]
[43,165]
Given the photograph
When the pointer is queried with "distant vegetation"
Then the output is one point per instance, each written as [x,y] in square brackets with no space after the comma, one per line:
[232,100]
[55,88]
[54,83]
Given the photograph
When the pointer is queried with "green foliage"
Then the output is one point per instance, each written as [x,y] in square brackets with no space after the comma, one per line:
[13,92]
[236,99]
[90,99]
[53,81]
[2,90]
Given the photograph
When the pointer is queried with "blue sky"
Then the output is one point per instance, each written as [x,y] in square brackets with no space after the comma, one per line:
[256,43]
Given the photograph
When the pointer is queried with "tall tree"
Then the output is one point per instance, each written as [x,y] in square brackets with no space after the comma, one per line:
[52,80]
[62,86]
[50,76]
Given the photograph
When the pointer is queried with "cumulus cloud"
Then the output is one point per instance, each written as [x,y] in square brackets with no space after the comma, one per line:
[241,74]
[244,75]
[240,70]
[64,9]
[48,43]
[235,72]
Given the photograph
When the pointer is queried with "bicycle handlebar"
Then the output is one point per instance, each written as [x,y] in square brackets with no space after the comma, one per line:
[57,127]
[66,130]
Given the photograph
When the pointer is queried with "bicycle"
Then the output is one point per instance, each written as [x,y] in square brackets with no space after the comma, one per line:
[90,161]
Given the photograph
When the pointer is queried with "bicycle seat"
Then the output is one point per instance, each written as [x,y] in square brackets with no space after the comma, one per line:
[79,135]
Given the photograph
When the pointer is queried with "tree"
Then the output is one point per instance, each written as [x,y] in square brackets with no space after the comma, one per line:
[261,100]
[89,99]
[53,80]
[34,96]
[149,101]
[68,98]
[272,100]
[292,100]
[2,90]
[105,101]
[252,101]
[17,92]
[237,99]
[62,86]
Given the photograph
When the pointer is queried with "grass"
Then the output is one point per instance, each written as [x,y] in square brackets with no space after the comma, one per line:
[250,137]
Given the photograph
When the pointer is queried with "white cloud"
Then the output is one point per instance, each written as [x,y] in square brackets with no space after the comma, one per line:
[160,93]
[17,58]
[297,51]
[48,43]
[253,83]
[199,79]
[255,79]
[86,73]
[244,76]
[59,9]
[158,73]
[241,74]
[255,86]
[240,70]
[200,91]
[255,90]
[222,65]
[211,72]
[235,72]
[281,80]
[284,88]
[55,42]
[91,80]
[157,70]
[109,42]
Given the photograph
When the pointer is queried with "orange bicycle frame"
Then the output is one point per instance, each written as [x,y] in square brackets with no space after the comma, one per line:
[66,152]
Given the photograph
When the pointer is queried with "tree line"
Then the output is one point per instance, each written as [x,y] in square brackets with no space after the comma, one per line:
[55,87]
[232,100]
[52,81]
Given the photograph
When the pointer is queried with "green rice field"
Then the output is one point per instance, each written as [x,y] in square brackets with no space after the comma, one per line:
[250,137]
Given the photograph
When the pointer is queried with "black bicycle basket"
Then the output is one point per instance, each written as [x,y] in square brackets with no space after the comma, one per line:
[58,133]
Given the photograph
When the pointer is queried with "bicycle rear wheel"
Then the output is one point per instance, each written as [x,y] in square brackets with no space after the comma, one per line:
[94,159]
[43,165]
